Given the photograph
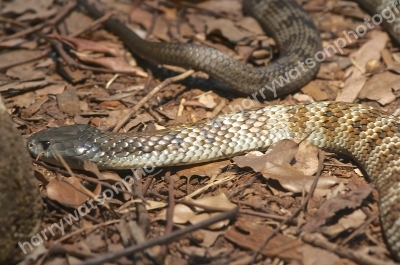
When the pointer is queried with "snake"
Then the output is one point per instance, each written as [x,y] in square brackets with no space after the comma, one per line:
[370,136]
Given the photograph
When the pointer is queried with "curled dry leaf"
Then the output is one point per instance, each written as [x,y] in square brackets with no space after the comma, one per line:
[369,51]
[276,164]
[20,42]
[307,158]
[227,29]
[329,208]
[109,176]
[204,170]
[206,238]
[23,6]
[345,223]
[69,192]
[207,100]
[184,214]
[117,64]
[250,235]
[380,88]
[83,45]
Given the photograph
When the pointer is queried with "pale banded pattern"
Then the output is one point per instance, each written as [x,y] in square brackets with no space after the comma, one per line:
[368,135]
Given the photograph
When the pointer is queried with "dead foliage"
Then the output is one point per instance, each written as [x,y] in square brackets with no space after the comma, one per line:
[58,67]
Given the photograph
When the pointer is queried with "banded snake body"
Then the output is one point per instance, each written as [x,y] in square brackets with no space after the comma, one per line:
[368,135]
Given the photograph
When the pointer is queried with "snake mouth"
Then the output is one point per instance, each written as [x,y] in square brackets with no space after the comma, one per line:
[37,147]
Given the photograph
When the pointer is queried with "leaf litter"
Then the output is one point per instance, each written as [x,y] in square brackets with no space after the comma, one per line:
[31,79]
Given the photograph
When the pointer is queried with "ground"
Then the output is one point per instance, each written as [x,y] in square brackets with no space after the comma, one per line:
[60,68]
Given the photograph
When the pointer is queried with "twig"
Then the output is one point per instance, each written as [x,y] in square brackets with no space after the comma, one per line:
[265,215]
[170,211]
[301,208]
[82,229]
[92,180]
[141,211]
[171,206]
[165,83]
[92,25]
[6,65]
[359,229]
[161,240]
[64,12]
[357,257]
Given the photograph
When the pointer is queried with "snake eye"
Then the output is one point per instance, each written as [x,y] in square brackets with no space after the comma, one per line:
[45,145]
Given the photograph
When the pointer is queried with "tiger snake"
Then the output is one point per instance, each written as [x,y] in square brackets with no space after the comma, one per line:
[366,134]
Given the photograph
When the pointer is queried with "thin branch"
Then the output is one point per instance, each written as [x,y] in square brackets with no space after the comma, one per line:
[161,240]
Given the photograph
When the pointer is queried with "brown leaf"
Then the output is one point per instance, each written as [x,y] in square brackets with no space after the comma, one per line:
[251,25]
[117,64]
[68,101]
[35,106]
[109,122]
[276,165]
[240,104]
[328,209]
[207,169]
[23,100]
[21,86]
[69,192]
[307,158]
[160,29]
[222,6]
[227,29]
[394,67]
[84,45]
[251,236]
[369,51]
[23,43]
[141,17]
[51,90]
[184,214]
[315,91]
[22,6]
[380,87]
[352,85]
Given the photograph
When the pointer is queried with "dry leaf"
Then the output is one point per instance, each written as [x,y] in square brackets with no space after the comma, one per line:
[68,192]
[207,100]
[380,87]
[369,51]
[184,214]
[204,170]
[114,63]
[84,45]
[275,164]
[329,208]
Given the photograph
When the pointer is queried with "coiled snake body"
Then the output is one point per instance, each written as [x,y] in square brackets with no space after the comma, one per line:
[370,136]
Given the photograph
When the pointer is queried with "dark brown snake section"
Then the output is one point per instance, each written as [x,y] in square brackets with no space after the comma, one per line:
[290,26]
[371,137]
[384,7]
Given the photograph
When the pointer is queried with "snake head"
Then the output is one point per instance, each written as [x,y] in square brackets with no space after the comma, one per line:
[70,142]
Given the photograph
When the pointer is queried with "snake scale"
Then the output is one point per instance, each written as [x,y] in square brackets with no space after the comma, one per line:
[368,135]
